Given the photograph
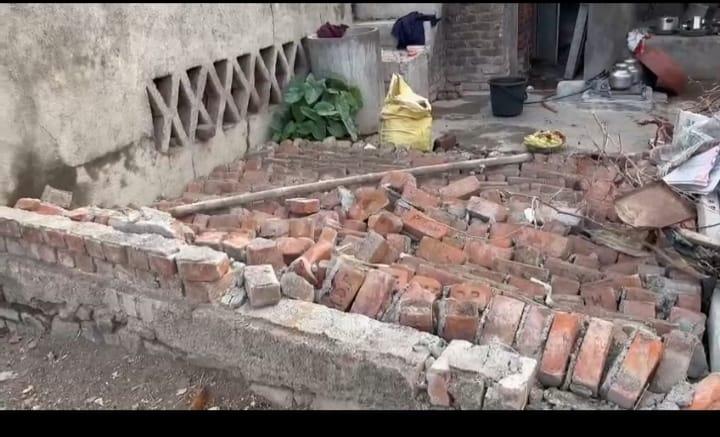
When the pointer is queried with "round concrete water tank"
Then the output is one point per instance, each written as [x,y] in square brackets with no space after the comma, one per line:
[356,59]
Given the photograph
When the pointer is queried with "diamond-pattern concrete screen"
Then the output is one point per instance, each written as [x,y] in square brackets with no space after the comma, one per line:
[192,105]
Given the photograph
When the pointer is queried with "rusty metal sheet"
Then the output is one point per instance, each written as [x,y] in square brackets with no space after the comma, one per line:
[653,206]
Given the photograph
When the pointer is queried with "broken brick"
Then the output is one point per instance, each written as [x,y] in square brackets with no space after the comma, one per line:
[676,357]
[523,270]
[428,283]
[549,244]
[203,292]
[301,227]
[368,201]
[502,320]
[419,225]
[637,308]
[373,248]
[274,228]
[573,271]
[533,330]
[345,285]
[689,321]
[420,198]
[292,248]
[235,243]
[416,309]
[295,286]
[397,180]
[400,242]
[638,365]
[561,285]
[374,295]
[211,239]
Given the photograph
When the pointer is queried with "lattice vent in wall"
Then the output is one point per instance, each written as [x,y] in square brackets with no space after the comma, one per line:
[192,105]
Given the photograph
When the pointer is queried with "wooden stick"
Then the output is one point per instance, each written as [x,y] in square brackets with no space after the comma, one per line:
[240,199]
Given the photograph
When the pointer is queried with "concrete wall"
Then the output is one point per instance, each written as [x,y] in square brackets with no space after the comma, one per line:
[388,11]
[606,43]
[76,112]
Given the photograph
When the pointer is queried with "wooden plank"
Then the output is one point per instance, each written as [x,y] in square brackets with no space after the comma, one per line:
[578,42]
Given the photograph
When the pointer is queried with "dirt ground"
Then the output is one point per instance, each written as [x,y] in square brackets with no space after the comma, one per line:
[44,374]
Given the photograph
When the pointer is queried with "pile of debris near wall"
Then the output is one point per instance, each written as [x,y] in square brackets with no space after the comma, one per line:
[543,261]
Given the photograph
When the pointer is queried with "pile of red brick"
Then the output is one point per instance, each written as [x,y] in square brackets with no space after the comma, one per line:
[454,255]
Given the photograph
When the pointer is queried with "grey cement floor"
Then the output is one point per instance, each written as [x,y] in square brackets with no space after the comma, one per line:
[470,119]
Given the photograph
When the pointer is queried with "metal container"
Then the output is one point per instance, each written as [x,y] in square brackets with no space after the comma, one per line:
[667,24]
[635,68]
[620,79]
[635,73]
[696,23]
[620,66]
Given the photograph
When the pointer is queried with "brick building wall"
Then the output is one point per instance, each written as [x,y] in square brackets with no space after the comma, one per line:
[474,45]
[526,35]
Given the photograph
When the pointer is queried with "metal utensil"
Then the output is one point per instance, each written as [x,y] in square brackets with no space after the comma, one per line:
[667,24]
[621,79]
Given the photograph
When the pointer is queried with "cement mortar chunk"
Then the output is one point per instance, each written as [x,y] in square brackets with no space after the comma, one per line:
[261,285]
[507,375]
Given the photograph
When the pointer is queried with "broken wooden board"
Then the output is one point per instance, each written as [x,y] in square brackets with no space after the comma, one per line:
[578,42]
[653,206]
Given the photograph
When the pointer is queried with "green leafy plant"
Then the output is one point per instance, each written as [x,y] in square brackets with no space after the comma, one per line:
[317,108]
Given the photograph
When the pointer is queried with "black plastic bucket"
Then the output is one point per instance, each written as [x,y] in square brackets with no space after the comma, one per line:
[507,95]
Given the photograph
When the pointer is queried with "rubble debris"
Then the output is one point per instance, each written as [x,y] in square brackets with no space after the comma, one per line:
[653,206]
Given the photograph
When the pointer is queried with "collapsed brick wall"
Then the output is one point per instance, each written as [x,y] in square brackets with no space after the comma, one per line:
[456,260]
[526,35]
[474,41]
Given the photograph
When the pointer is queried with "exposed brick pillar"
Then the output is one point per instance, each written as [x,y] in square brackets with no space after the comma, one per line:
[475,45]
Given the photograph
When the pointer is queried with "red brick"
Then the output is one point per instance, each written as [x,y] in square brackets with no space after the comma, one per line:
[374,295]
[402,275]
[420,225]
[235,243]
[625,268]
[163,265]
[503,232]
[301,227]
[591,357]
[439,252]
[302,206]
[345,285]
[416,309]
[561,285]
[478,229]
[255,177]
[397,180]
[560,343]
[303,266]
[329,235]
[262,286]
[46,254]
[461,189]
[480,294]
[211,239]
[458,320]
[420,198]
[527,288]
[263,251]
[138,259]
[533,331]
[604,296]
[201,264]
[385,223]
[373,248]
[549,244]
[690,302]
[428,283]
[75,243]
[588,261]
[54,238]
[201,221]
[572,271]
[292,248]
[368,201]
[203,292]
[442,275]
[673,367]
[354,225]
[484,254]
[27,204]
[32,235]
[688,320]
[528,255]
[225,221]
[84,263]
[487,210]
[400,242]
[115,253]
[274,228]
[637,308]
[707,394]
[502,320]
[65,258]
[523,270]
[639,294]
[639,364]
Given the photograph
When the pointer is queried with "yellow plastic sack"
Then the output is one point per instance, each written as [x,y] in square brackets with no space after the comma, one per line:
[406,118]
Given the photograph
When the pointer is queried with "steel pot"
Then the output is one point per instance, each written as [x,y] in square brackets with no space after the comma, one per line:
[620,79]
[667,24]
[635,73]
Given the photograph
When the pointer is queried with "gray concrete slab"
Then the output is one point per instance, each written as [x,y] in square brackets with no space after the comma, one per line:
[470,119]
